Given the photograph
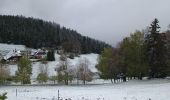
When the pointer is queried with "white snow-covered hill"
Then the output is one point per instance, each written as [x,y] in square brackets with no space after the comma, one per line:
[92,58]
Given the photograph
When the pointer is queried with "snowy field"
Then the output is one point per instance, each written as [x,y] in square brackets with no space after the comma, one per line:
[132,90]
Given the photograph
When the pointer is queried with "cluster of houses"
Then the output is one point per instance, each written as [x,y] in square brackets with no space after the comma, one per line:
[15,55]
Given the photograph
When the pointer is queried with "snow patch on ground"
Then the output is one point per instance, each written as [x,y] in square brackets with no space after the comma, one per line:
[132,90]
[10,47]
[52,65]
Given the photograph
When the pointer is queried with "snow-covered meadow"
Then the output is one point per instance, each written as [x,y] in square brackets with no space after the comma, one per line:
[132,90]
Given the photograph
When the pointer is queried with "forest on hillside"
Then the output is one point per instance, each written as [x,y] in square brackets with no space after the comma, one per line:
[36,33]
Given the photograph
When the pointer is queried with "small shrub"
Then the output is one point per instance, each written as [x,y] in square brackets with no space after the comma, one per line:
[51,55]
[71,56]
[63,57]
[3,96]
[42,77]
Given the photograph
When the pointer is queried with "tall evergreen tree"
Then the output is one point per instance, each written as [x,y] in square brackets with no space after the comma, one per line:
[156,51]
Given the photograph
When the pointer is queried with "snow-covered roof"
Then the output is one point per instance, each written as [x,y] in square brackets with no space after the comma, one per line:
[12,53]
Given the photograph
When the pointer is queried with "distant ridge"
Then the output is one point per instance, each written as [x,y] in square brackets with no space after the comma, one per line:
[36,33]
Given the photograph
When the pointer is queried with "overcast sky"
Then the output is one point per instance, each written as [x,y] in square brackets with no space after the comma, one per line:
[106,20]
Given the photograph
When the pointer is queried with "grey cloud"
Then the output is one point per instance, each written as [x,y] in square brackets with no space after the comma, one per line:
[107,20]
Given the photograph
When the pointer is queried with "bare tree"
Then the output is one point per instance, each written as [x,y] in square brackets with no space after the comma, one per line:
[83,72]
[4,73]
[63,70]
[43,75]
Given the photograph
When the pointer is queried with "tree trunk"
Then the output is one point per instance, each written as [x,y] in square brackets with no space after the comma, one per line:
[124,78]
[114,80]
[84,79]
[111,80]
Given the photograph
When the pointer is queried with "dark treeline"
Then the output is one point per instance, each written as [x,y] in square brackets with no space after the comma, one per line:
[143,54]
[37,33]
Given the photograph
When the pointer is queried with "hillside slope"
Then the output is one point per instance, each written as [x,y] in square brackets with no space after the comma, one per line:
[52,65]
[92,58]
[36,33]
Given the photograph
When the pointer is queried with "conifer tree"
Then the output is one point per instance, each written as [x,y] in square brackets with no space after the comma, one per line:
[50,55]
[24,70]
[156,51]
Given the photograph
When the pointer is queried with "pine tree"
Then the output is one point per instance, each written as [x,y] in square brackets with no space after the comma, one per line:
[50,55]
[24,70]
[156,51]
